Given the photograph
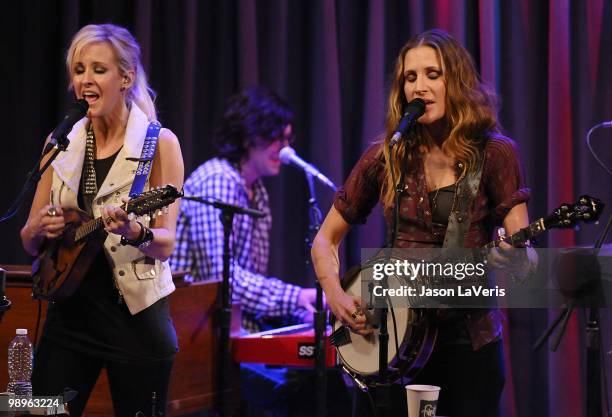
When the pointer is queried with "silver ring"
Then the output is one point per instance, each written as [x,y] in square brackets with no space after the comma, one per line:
[109,220]
[52,211]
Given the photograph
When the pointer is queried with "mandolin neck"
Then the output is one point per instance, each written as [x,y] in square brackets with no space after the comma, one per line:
[87,228]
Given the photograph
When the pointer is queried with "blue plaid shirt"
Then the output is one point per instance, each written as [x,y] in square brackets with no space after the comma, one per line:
[199,244]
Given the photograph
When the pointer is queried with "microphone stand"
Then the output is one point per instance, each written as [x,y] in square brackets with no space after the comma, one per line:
[593,343]
[320,316]
[383,388]
[227,218]
[593,329]
[35,174]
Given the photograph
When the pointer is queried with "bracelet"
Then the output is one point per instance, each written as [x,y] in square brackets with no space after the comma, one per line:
[147,238]
[136,242]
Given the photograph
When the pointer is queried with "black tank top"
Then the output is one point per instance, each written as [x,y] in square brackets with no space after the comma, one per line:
[441,204]
[102,167]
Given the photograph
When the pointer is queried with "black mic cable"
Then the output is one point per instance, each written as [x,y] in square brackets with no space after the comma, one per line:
[588,142]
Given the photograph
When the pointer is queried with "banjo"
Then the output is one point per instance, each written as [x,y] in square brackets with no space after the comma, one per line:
[412,331]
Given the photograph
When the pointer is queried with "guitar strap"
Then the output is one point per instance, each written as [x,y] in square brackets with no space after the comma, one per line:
[146,159]
[459,219]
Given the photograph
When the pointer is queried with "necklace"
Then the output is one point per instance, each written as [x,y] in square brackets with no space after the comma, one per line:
[434,200]
[434,204]
[90,185]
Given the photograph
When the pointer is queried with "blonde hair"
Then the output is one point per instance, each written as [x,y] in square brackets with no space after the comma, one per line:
[471,108]
[127,51]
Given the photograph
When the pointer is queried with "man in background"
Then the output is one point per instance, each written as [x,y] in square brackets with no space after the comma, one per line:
[256,124]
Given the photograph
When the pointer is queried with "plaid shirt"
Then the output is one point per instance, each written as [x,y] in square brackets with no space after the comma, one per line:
[199,244]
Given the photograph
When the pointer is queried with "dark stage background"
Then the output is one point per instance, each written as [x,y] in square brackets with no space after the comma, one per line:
[549,60]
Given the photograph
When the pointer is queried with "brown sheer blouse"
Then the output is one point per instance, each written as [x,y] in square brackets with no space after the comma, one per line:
[501,188]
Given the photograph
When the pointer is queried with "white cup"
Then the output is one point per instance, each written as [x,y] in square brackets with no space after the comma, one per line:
[422,400]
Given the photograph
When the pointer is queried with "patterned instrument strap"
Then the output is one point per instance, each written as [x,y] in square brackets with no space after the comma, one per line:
[459,219]
[146,159]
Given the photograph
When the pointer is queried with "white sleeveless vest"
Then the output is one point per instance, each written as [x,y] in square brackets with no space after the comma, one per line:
[141,280]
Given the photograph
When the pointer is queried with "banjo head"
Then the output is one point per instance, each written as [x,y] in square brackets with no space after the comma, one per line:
[361,355]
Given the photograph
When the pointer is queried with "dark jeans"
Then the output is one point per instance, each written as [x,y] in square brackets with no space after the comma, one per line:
[471,382]
[131,384]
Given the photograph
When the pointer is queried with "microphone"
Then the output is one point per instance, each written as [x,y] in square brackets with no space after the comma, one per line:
[288,156]
[76,112]
[412,111]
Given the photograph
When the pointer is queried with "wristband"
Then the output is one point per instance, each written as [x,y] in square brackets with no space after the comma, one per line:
[136,242]
[147,239]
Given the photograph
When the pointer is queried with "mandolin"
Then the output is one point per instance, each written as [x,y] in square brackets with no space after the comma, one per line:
[63,262]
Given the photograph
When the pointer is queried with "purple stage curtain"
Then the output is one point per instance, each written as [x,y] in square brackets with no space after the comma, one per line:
[549,60]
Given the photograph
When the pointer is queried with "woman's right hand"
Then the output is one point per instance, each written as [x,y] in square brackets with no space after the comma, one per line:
[48,223]
[347,309]
[325,259]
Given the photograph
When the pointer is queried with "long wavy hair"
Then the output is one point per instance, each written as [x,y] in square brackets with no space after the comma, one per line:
[471,108]
[127,52]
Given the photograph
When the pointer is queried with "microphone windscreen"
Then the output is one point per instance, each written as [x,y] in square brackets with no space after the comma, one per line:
[286,154]
[416,108]
[80,105]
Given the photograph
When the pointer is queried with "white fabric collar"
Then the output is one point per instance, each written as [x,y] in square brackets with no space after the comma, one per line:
[68,165]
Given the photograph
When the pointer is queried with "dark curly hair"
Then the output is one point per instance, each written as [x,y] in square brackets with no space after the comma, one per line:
[252,116]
